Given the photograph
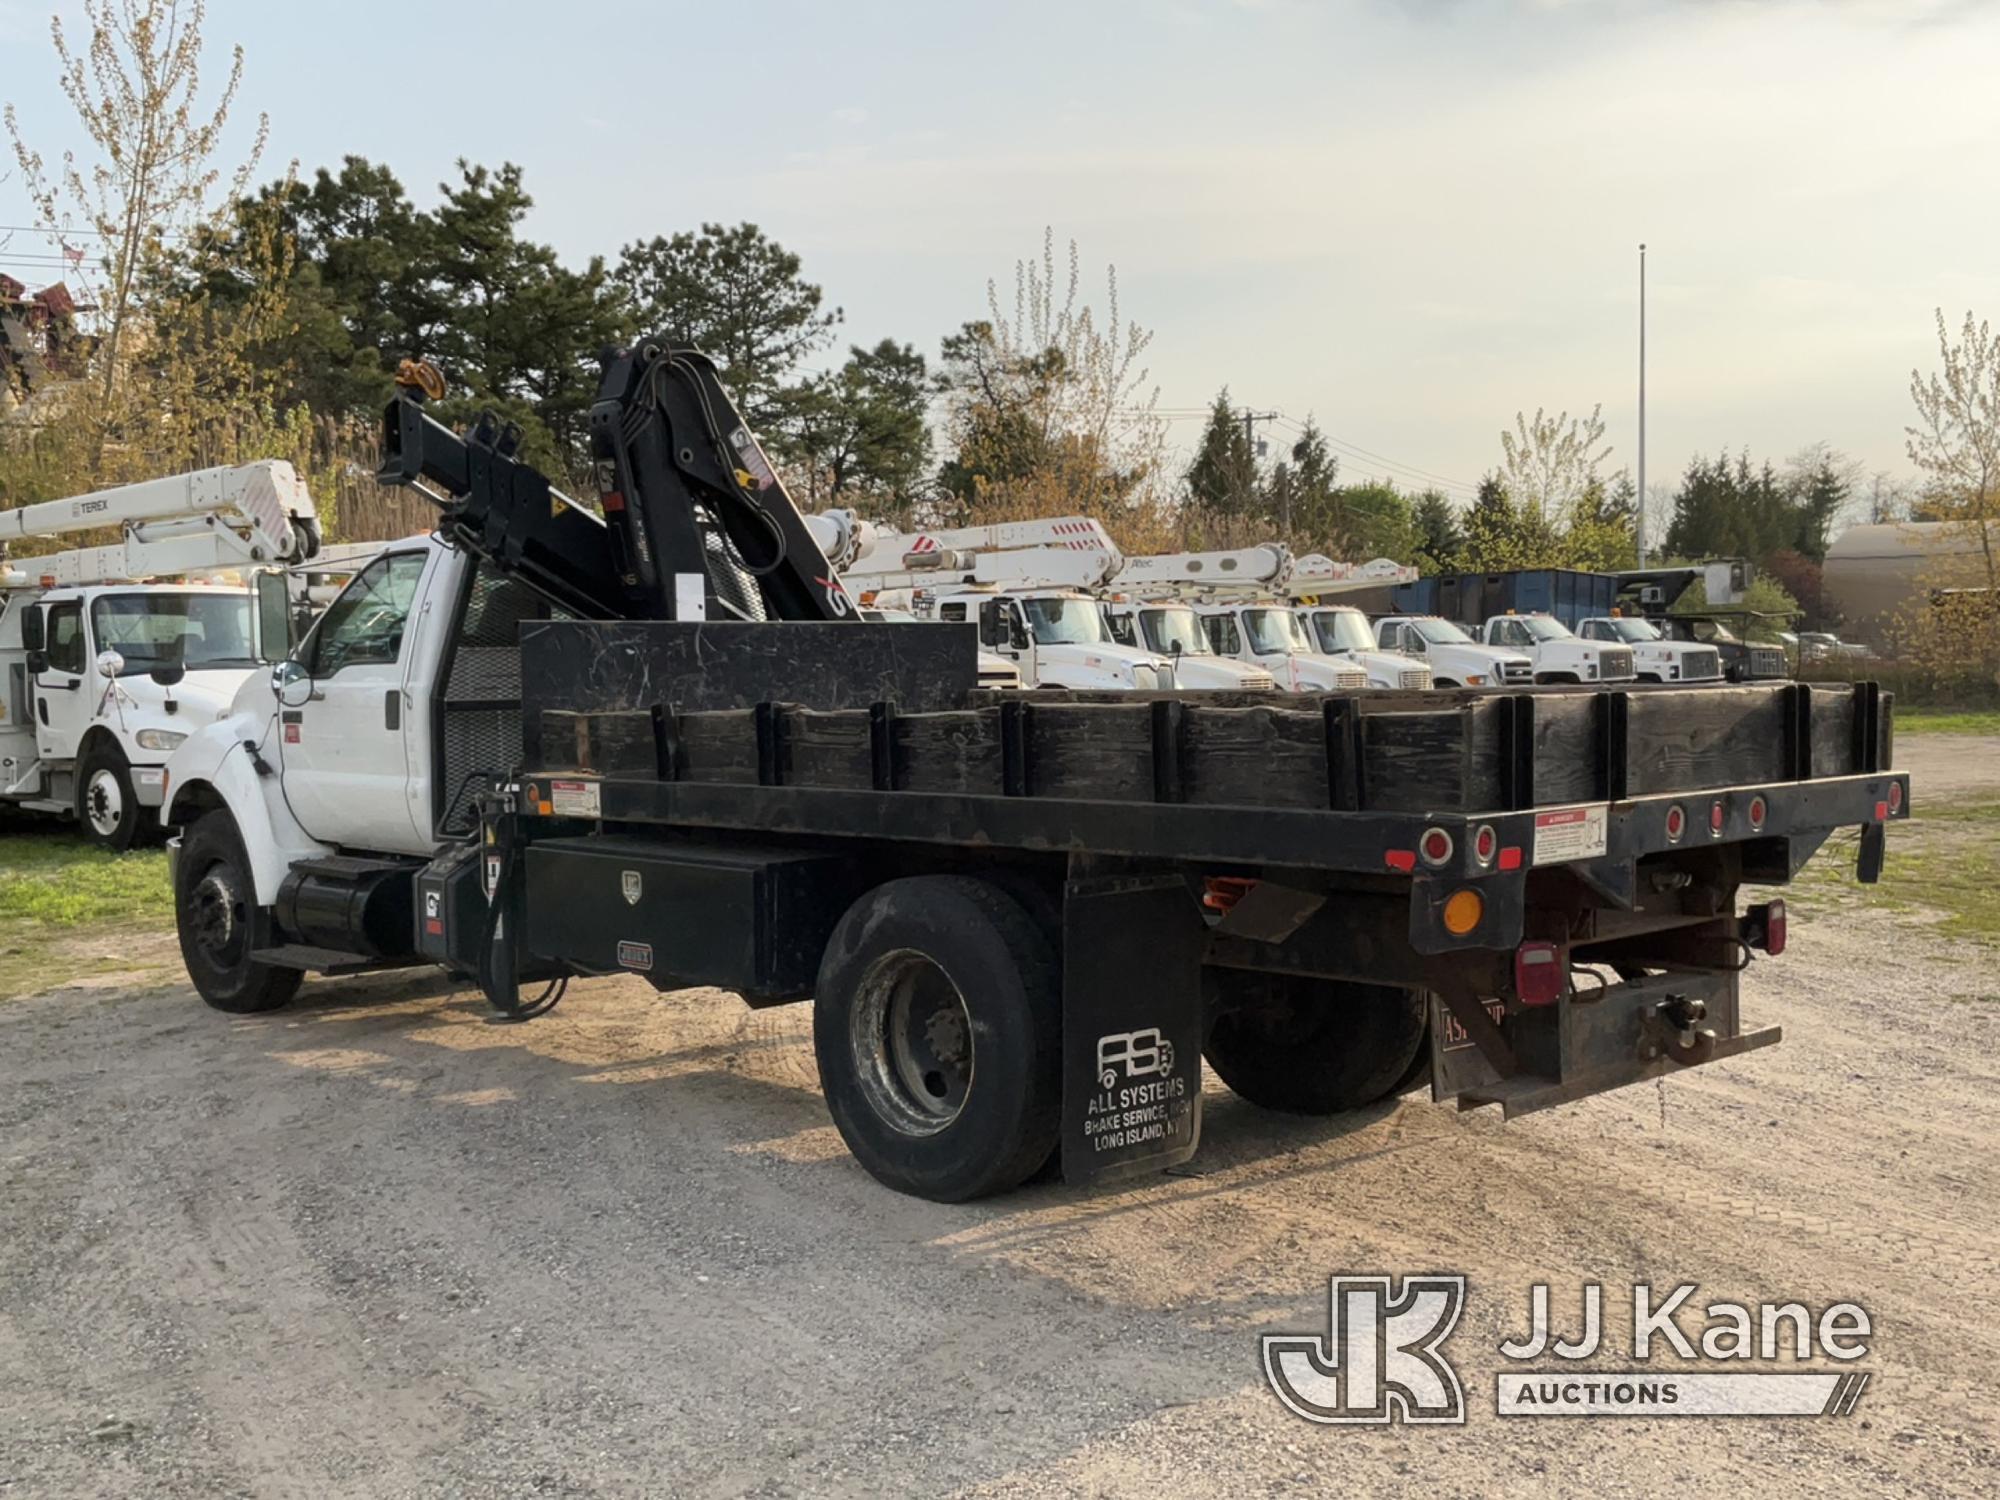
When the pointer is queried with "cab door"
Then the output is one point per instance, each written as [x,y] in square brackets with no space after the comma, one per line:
[345,765]
[65,689]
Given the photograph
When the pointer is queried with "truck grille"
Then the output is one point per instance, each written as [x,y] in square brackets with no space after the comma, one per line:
[1350,679]
[1696,665]
[1415,677]
[1517,671]
[1258,681]
[1767,661]
[1617,664]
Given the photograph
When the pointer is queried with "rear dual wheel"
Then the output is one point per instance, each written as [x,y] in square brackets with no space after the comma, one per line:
[1314,1046]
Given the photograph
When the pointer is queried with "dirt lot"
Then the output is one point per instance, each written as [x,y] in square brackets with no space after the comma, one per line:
[376,1245]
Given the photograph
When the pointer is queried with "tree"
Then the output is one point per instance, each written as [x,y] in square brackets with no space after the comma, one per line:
[1311,495]
[1550,462]
[859,436]
[1222,478]
[1820,483]
[739,296]
[1956,438]
[134,88]
[1376,520]
[1440,536]
[1501,535]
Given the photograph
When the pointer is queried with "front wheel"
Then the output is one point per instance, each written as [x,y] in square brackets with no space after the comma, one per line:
[937,1022]
[107,809]
[1313,1046]
[215,903]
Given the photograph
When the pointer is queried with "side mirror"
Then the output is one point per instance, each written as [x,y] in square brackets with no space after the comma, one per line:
[34,629]
[274,618]
[1017,631]
[1178,647]
[292,684]
[109,663]
[989,623]
[168,675]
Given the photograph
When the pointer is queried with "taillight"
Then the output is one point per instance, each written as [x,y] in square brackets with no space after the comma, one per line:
[1765,927]
[1677,823]
[1435,846]
[1715,816]
[1895,796]
[1222,892]
[1757,811]
[1540,975]
[1484,842]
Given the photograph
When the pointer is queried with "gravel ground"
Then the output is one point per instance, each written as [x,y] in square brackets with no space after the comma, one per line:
[375,1245]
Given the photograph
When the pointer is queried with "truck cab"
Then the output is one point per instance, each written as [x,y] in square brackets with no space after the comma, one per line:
[1175,630]
[1342,631]
[1557,652]
[1655,657]
[1269,635]
[1455,658]
[102,683]
[1058,638]
[1742,661]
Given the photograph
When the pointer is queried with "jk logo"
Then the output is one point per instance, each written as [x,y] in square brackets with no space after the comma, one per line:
[1379,1361]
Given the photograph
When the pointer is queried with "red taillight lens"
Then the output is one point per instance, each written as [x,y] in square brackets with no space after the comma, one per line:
[1757,812]
[1435,846]
[1484,842]
[1764,927]
[1895,796]
[1715,816]
[1677,823]
[1540,975]
[1221,892]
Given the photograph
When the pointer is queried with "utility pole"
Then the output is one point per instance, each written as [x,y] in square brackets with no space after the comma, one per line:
[1641,532]
[1250,421]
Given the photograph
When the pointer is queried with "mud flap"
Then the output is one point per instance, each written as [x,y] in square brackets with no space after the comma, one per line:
[1132,1026]
[1542,1056]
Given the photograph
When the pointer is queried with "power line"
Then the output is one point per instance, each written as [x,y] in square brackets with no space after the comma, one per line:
[1406,472]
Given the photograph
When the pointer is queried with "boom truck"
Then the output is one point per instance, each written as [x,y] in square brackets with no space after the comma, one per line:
[105,674]
[660,742]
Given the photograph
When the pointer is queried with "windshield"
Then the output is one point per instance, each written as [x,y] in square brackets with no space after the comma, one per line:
[1542,628]
[1274,630]
[1635,630]
[185,630]
[1341,630]
[1066,622]
[1172,630]
[1441,633]
[1715,633]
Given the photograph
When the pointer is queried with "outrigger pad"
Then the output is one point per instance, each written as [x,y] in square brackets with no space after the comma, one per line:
[1132,1026]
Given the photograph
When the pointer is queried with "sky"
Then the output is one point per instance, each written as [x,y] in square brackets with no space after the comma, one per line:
[1407,218]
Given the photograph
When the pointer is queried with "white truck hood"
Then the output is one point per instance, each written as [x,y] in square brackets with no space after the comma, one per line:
[199,699]
[1106,657]
[1218,672]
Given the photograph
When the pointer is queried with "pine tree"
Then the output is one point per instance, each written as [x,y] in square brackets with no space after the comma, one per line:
[1222,479]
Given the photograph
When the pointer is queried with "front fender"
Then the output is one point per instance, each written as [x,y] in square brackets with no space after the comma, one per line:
[212,767]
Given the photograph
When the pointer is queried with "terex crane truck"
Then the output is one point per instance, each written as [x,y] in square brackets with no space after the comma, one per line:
[661,743]
[103,674]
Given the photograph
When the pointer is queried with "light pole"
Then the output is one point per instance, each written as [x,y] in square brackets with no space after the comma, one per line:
[1641,533]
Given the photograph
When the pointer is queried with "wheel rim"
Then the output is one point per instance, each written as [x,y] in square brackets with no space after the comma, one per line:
[104,802]
[216,917]
[912,1042]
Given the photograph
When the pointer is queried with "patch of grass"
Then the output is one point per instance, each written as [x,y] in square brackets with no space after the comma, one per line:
[1946,721]
[1943,864]
[57,892]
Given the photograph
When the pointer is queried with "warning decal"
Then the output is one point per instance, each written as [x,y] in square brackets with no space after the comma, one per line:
[575,799]
[1567,833]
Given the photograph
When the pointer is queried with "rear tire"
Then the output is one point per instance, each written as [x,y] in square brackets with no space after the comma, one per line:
[214,907]
[107,809]
[937,1021]
[1313,1046]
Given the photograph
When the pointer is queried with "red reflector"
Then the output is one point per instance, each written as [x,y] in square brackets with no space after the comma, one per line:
[433,926]
[1401,859]
[1677,823]
[1484,842]
[1774,929]
[1436,846]
[613,501]
[1881,811]
[1895,796]
[1222,892]
[1715,816]
[1757,811]
[1540,975]
[1510,859]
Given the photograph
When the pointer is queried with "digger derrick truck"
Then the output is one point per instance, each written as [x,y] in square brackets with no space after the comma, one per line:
[660,742]
[102,672]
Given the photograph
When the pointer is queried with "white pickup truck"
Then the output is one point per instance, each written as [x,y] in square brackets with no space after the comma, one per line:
[1175,630]
[1558,653]
[1341,631]
[1270,636]
[1655,658]
[1455,658]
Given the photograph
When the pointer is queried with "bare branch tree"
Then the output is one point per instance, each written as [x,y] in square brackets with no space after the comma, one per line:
[1956,441]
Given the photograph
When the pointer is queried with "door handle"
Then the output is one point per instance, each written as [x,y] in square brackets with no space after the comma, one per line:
[392,709]
[61,687]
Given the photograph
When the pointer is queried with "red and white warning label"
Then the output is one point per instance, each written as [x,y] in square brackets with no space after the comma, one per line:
[1566,833]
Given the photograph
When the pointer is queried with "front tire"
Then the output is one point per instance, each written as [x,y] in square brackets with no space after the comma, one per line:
[107,809]
[937,1022]
[1313,1046]
[214,909]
